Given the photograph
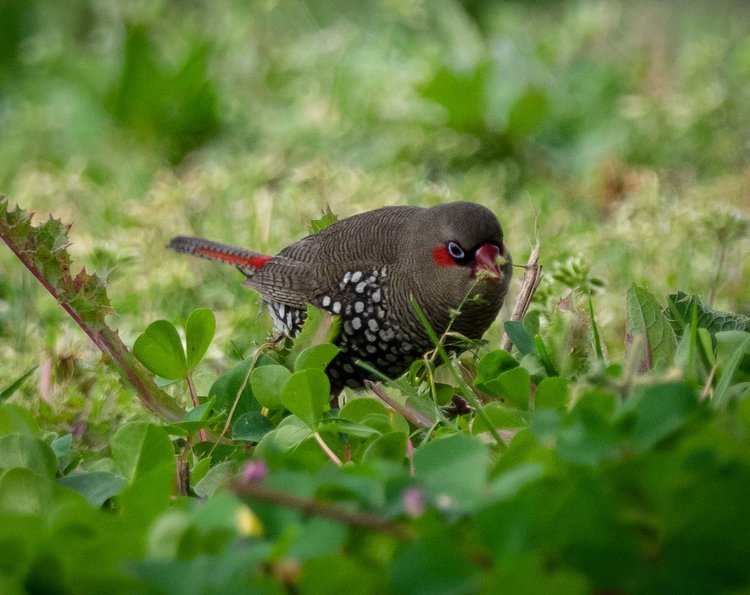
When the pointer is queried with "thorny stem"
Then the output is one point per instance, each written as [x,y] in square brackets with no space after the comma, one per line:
[107,340]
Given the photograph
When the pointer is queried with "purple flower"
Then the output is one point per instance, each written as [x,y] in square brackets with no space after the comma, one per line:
[255,469]
[413,501]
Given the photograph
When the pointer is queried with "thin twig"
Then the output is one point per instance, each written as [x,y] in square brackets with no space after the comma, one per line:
[531,279]
[409,413]
[327,449]
[245,380]
[196,402]
[256,490]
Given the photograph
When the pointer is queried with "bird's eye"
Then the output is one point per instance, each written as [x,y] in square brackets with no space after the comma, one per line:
[455,250]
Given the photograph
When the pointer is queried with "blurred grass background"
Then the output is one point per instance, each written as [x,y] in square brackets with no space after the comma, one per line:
[621,129]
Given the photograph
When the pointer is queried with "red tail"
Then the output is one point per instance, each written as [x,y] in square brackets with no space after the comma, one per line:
[239,257]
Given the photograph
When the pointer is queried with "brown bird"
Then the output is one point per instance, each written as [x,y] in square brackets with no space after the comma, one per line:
[367,268]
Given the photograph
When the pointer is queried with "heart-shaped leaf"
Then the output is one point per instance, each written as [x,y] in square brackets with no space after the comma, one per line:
[199,331]
[159,349]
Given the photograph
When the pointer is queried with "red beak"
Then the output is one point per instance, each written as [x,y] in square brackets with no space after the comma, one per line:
[485,259]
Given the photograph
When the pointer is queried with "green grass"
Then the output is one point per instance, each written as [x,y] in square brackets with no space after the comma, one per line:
[630,161]
[616,132]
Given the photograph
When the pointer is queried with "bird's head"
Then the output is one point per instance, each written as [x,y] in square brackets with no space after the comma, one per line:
[456,250]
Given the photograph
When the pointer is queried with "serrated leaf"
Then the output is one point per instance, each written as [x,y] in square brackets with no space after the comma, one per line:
[648,328]
[42,250]
[159,349]
[325,220]
[199,332]
[680,309]
[306,394]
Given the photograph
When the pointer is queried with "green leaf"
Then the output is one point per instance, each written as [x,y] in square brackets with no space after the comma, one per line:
[454,469]
[391,447]
[8,391]
[662,409]
[216,477]
[527,112]
[97,487]
[138,447]
[500,416]
[159,349]
[306,394]
[24,450]
[520,337]
[544,357]
[512,385]
[732,347]
[195,419]
[461,94]
[15,419]
[319,327]
[251,426]
[552,393]
[326,220]
[316,356]
[680,308]
[22,491]
[277,444]
[199,332]
[648,328]
[266,383]
[231,383]
[492,365]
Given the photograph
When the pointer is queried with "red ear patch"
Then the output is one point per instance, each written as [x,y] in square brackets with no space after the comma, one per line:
[256,262]
[442,258]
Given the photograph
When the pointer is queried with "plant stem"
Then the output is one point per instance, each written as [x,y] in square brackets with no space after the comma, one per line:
[531,279]
[327,449]
[256,490]
[196,403]
[411,414]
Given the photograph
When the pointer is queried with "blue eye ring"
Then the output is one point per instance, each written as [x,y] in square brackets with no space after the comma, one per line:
[455,251]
